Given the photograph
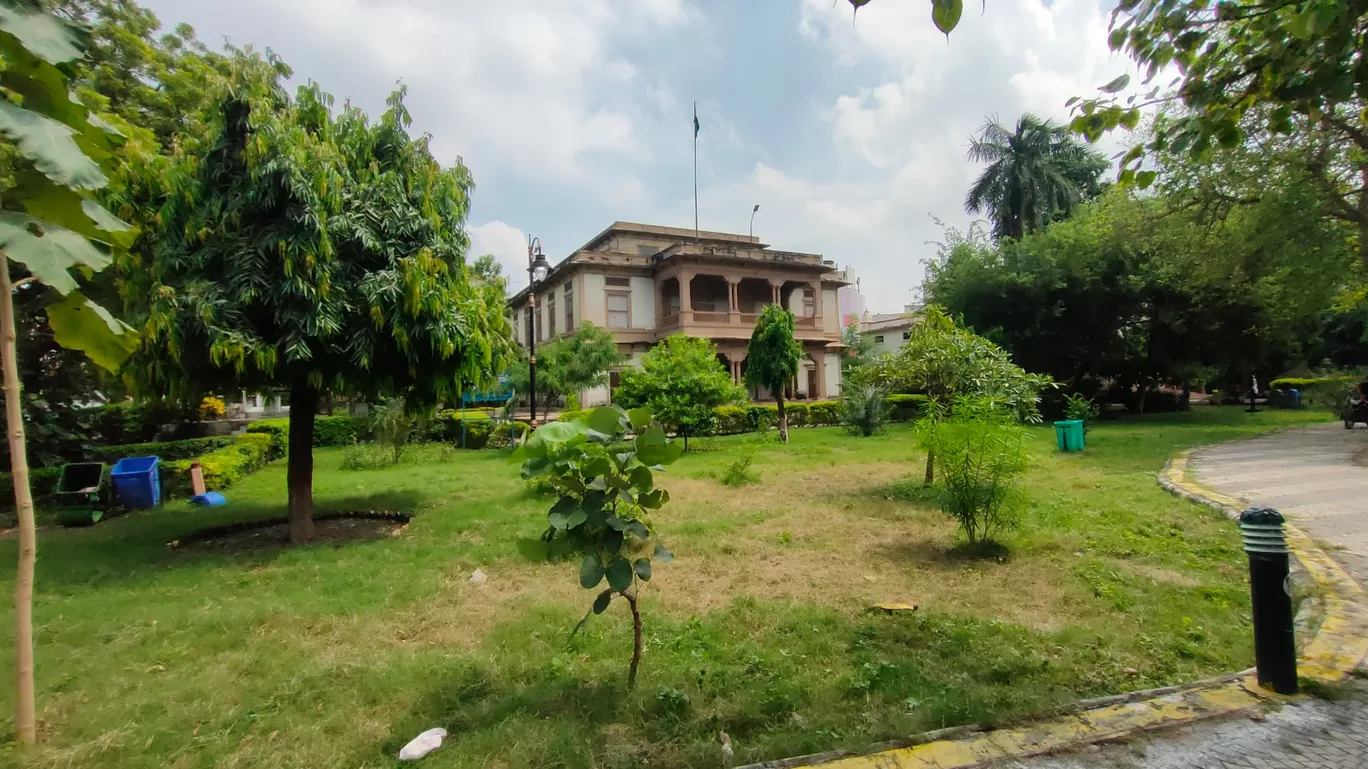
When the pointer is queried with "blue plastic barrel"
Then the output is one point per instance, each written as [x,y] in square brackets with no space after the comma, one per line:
[138,481]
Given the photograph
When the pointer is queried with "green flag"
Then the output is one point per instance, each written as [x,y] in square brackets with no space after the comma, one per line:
[695,120]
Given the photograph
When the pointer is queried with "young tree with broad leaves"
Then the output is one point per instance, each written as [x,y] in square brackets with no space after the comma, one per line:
[46,227]
[310,250]
[772,357]
[681,381]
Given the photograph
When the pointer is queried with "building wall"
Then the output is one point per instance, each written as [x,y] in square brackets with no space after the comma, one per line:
[833,374]
[831,321]
[892,339]
[594,307]
[643,302]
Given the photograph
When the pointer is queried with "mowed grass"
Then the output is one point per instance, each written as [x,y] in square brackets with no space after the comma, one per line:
[335,656]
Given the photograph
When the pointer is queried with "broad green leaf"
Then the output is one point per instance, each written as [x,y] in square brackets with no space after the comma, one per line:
[49,144]
[591,572]
[1116,85]
[611,541]
[945,14]
[558,520]
[534,467]
[615,523]
[576,518]
[80,324]
[44,35]
[642,479]
[534,549]
[662,554]
[64,207]
[651,500]
[1116,39]
[604,419]
[1144,179]
[602,600]
[560,432]
[48,250]
[638,529]
[653,436]
[1130,118]
[642,567]
[596,466]
[619,574]
[640,417]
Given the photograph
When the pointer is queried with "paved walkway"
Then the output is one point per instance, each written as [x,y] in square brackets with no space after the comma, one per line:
[1311,476]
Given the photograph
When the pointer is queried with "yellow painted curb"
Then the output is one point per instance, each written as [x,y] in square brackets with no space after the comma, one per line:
[1331,656]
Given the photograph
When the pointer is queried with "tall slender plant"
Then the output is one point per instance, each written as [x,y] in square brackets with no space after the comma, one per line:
[47,224]
[772,357]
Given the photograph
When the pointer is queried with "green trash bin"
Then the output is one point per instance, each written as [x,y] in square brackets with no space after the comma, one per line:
[82,493]
[1069,434]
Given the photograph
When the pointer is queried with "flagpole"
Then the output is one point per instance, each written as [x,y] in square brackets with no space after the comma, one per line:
[695,171]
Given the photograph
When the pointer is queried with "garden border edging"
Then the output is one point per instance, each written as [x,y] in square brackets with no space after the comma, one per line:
[1330,657]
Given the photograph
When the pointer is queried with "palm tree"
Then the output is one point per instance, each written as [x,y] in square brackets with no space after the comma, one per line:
[1035,174]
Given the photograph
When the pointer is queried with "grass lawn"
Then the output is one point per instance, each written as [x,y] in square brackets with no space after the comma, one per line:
[335,656]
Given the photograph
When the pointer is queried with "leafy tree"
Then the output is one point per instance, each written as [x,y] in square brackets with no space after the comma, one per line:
[569,365]
[486,267]
[308,250]
[864,406]
[772,357]
[858,348]
[607,493]
[1035,173]
[981,450]
[46,227]
[681,382]
[946,361]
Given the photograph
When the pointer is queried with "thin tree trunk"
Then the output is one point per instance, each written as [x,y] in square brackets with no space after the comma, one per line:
[930,468]
[1140,401]
[783,417]
[25,720]
[636,640]
[303,404]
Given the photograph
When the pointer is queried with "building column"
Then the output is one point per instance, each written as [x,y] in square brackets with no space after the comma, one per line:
[774,291]
[685,303]
[733,301]
[817,303]
[819,360]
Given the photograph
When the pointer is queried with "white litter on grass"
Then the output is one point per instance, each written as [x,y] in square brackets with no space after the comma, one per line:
[423,744]
[478,577]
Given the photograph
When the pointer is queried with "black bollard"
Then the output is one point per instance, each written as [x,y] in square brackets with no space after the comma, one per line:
[1275,648]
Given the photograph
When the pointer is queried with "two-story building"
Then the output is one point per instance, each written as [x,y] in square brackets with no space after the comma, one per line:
[645,282]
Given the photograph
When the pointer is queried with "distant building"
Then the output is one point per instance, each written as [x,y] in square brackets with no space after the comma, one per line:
[644,282]
[849,301]
[888,331]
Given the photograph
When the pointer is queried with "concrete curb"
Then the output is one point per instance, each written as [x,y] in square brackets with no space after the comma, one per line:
[1330,657]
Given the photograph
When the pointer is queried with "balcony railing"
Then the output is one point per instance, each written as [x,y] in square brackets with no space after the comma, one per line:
[713,318]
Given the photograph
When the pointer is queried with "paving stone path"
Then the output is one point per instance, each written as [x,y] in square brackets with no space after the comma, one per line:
[1312,476]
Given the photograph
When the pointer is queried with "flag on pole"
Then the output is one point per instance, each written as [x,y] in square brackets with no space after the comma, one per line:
[695,120]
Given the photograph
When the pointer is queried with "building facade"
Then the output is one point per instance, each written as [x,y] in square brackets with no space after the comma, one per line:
[888,331]
[645,282]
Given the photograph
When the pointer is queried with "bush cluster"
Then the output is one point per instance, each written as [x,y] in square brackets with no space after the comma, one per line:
[167,450]
[328,431]
[732,420]
[222,467]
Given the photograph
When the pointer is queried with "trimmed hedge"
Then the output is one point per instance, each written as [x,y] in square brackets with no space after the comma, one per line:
[328,431]
[735,419]
[42,484]
[167,450]
[1307,383]
[222,468]
[446,427]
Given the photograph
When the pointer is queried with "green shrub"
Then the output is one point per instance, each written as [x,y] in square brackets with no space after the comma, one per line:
[392,424]
[1080,408]
[906,408]
[570,415]
[1305,383]
[1216,398]
[761,417]
[138,422]
[506,434]
[739,473]
[42,485]
[374,456]
[222,468]
[446,428]
[797,413]
[824,413]
[328,431]
[864,407]
[979,450]
[731,420]
[168,451]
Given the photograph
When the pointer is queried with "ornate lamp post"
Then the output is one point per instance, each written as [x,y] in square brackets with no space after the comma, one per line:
[537,268]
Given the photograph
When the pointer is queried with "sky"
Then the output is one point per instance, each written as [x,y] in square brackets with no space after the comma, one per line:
[849,130]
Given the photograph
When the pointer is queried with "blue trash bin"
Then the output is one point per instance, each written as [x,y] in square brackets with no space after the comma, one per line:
[138,481]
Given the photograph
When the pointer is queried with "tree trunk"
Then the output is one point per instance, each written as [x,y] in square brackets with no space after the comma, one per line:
[930,468]
[636,641]
[303,403]
[25,721]
[783,417]
[328,403]
[1140,401]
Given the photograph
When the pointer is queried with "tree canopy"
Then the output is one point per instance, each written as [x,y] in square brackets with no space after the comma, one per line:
[304,249]
[569,365]
[681,381]
[1035,173]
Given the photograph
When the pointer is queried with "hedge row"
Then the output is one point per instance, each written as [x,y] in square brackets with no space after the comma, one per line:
[749,418]
[480,428]
[1307,383]
[222,467]
[166,450]
[328,431]
[42,484]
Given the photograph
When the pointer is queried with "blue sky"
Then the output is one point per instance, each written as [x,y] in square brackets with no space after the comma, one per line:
[848,131]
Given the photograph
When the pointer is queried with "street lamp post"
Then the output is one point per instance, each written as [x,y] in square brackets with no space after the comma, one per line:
[752,226]
[536,273]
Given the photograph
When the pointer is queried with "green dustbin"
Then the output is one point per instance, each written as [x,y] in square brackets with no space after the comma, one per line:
[1069,434]
[82,493]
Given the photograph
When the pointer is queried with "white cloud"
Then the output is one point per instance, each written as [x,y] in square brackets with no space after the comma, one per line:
[507,243]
